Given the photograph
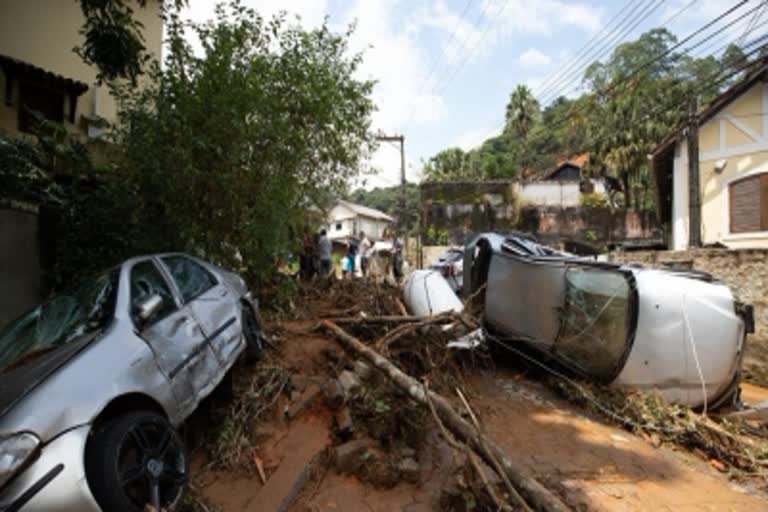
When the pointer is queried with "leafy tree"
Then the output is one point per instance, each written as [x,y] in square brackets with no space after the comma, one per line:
[226,152]
[522,111]
[448,165]
[387,199]
[112,37]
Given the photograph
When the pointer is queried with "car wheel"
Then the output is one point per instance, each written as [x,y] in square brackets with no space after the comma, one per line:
[136,460]
[253,335]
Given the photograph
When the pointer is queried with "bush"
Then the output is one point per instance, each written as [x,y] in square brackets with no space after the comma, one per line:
[594,200]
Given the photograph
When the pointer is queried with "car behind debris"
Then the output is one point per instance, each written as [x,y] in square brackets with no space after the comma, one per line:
[682,333]
[96,379]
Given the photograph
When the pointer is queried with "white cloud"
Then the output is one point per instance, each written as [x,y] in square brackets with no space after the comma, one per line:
[545,16]
[533,58]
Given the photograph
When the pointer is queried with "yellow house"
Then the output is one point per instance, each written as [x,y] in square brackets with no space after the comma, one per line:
[39,69]
[733,171]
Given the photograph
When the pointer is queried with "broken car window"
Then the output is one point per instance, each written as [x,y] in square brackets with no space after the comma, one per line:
[191,278]
[64,318]
[147,281]
[596,321]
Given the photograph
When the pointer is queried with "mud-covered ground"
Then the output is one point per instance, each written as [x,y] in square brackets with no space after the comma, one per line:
[282,454]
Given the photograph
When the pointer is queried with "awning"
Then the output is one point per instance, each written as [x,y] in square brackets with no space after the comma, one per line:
[15,69]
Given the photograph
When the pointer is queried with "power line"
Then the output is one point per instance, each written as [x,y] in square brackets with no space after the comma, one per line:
[667,52]
[586,58]
[457,70]
[607,48]
[663,24]
[581,50]
[442,49]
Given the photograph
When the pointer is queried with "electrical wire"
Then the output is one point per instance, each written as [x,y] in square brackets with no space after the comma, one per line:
[617,36]
[581,52]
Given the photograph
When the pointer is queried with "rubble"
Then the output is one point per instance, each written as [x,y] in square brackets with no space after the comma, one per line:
[304,401]
[349,382]
[349,457]
[409,470]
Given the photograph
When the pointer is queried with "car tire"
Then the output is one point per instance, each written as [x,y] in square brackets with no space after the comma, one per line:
[132,454]
[253,334]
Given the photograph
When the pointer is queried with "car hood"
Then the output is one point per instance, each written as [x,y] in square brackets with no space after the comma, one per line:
[21,380]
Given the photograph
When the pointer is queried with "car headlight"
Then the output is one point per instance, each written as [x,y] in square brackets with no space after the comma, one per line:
[15,451]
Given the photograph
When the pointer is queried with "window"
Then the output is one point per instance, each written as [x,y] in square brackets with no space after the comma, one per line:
[46,102]
[748,204]
[191,278]
[338,226]
[596,321]
[146,280]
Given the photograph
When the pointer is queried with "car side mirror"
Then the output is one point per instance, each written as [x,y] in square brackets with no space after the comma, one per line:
[148,308]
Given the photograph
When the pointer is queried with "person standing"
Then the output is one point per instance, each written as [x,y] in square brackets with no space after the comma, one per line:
[397,257]
[324,252]
[365,253]
[352,247]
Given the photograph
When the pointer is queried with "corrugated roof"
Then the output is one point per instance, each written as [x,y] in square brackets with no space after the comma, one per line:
[12,66]
[365,211]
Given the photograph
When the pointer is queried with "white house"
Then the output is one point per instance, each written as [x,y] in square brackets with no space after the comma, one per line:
[346,219]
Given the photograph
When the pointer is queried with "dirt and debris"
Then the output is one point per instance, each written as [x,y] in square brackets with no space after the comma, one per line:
[355,441]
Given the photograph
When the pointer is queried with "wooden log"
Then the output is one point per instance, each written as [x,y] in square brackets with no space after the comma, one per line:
[535,494]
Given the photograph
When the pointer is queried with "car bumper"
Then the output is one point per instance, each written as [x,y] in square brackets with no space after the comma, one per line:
[55,482]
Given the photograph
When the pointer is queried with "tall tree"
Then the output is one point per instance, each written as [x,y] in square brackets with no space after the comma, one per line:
[448,165]
[226,152]
[522,111]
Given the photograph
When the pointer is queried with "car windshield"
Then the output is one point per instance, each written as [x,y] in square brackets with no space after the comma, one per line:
[67,316]
[596,321]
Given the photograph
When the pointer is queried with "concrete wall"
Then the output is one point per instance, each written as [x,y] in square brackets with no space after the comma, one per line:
[744,270]
[20,273]
[554,193]
[43,33]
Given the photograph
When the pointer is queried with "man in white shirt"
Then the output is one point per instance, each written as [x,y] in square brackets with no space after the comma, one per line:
[365,253]
[324,253]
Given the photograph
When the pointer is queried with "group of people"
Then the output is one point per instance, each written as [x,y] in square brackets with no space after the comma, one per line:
[317,255]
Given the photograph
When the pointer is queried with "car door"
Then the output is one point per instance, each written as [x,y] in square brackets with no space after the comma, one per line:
[215,307]
[175,336]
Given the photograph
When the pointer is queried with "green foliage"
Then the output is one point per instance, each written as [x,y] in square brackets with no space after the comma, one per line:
[631,101]
[113,40]
[594,200]
[387,199]
[225,153]
[522,111]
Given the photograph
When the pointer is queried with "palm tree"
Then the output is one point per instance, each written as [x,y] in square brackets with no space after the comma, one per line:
[522,111]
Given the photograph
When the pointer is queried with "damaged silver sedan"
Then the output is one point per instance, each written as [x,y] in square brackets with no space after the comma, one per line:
[679,332]
[95,380]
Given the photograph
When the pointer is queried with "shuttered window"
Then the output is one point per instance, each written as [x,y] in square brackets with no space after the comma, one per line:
[748,200]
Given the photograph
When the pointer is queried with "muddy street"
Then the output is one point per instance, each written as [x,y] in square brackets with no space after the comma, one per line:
[297,454]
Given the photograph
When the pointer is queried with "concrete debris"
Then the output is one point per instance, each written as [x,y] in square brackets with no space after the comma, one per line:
[299,382]
[349,382]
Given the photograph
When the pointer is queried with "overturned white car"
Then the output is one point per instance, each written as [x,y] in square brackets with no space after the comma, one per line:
[682,333]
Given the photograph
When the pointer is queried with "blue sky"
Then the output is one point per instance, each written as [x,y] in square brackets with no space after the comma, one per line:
[445,68]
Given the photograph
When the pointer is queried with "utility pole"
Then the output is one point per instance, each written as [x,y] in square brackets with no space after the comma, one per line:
[694,194]
[401,140]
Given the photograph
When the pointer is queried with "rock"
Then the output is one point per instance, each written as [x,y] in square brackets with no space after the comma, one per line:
[409,470]
[349,382]
[334,394]
[295,395]
[304,401]
[333,355]
[408,452]
[348,456]
[361,369]
[344,423]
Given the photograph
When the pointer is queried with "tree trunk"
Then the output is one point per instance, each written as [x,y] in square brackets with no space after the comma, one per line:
[538,496]
[627,191]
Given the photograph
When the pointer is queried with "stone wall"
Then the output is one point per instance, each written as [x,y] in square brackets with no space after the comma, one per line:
[745,271]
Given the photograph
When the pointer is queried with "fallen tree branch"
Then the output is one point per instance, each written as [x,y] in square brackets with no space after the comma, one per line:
[386,319]
[405,329]
[532,491]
